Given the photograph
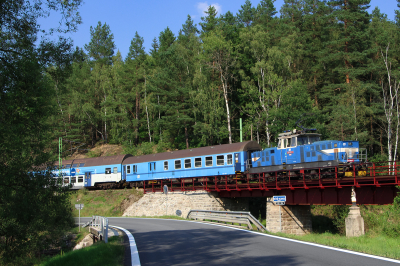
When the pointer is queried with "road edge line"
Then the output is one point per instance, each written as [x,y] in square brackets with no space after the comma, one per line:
[135,260]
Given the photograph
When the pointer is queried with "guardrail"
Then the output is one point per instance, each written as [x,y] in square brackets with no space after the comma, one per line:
[99,227]
[227,217]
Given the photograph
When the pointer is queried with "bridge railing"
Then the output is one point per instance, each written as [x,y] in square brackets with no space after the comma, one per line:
[99,227]
[227,217]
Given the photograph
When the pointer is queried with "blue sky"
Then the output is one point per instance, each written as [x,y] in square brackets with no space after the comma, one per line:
[150,17]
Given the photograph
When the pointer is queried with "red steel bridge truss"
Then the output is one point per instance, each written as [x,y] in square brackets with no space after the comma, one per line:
[375,184]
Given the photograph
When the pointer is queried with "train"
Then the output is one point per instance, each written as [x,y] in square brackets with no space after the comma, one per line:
[297,151]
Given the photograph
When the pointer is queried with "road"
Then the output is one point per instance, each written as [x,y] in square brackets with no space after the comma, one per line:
[172,242]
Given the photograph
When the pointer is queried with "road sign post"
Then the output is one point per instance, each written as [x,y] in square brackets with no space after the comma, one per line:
[279,200]
[79,207]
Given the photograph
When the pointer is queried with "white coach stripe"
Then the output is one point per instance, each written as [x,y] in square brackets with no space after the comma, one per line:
[134,252]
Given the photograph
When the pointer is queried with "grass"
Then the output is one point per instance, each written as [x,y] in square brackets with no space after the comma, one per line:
[100,253]
[375,245]
[108,203]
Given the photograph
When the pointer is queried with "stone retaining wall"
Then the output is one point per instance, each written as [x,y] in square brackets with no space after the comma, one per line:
[158,204]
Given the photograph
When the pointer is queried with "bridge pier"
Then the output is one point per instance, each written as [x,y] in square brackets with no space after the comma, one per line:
[354,222]
[289,219]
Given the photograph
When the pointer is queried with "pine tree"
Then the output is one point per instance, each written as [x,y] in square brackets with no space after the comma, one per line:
[246,14]
[210,21]
[101,46]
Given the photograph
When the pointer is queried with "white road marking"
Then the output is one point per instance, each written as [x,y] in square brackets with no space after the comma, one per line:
[134,252]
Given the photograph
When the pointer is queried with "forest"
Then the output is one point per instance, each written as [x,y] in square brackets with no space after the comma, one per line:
[328,65]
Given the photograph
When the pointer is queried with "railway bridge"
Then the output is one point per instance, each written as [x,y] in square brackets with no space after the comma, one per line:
[376,184]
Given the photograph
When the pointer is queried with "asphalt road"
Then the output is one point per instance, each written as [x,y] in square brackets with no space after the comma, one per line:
[171,242]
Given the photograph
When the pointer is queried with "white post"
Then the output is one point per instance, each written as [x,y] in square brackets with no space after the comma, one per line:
[280,219]
[79,219]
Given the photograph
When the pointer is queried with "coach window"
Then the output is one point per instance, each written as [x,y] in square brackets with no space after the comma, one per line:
[80,179]
[66,180]
[220,160]
[165,165]
[81,165]
[177,164]
[188,163]
[74,165]
[115,170]
[229,159]
[128,169]
[108,171]
[68,166]
[134,168]
[209,161]
[73,180]
[197,162]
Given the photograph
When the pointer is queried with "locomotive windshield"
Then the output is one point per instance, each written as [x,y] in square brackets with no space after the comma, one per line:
[302,140]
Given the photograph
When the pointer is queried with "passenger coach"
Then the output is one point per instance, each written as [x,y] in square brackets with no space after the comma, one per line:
[215,160]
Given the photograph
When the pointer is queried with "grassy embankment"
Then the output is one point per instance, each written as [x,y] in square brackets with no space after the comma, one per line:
[99,253]
[108,203]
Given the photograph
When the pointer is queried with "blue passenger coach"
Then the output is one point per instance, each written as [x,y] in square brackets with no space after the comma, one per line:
[215,160]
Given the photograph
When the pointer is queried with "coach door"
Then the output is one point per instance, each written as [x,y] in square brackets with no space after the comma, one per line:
[152,169]
[88,179]
[124,172]
[237,162]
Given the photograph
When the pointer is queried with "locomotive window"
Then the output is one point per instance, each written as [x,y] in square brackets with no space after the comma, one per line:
[128,169]
[81,165]
[302,140]
[115,170]
[220,160]
[166,165]
[197,162]
[279,144]
[108,171]
[177,164]
[288,143]
[73,179]
[80,179]
[313,139]
[209,161]
[229,159]
[294,142]
[188,163]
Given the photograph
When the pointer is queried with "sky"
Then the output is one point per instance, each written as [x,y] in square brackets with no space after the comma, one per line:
[150,17]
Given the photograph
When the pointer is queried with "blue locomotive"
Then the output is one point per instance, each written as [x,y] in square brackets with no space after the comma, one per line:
[297,150]
[302,149]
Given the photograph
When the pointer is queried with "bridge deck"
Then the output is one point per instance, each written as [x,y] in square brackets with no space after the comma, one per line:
[374,184]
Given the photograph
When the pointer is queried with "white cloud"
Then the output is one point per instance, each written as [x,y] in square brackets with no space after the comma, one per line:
[202,7]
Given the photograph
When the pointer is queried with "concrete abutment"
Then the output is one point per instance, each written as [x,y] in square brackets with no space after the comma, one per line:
[289,219]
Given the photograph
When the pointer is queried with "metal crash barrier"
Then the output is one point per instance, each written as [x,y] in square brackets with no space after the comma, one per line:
[227,217]
[99,228]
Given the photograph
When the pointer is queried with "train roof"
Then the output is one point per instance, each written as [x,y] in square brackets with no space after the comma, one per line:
[195,152]
[106,160]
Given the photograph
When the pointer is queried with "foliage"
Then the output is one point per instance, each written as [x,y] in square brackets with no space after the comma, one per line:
[34,210]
